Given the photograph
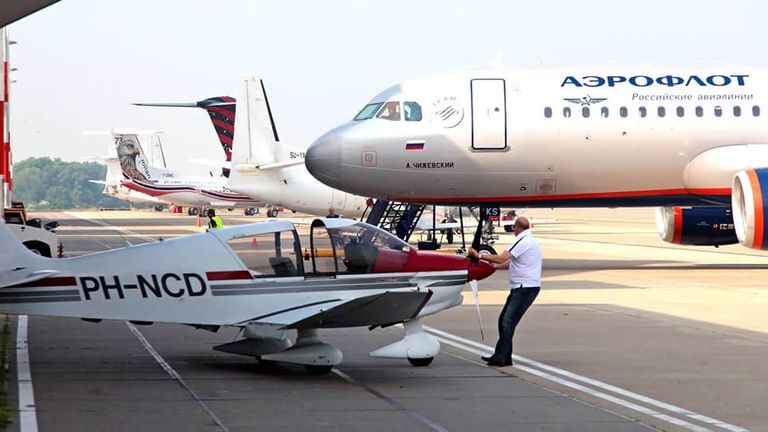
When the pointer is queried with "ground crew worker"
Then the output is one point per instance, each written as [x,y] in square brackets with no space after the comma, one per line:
[213,220]
[523,259]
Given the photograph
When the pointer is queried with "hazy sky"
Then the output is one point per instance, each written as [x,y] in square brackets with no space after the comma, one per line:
[81,62]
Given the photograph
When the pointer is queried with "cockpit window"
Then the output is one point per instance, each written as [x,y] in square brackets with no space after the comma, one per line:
[390,111]
[412,111]
[368,111]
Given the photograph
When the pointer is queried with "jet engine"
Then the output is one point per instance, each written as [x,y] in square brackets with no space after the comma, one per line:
[696,226]
[748,198]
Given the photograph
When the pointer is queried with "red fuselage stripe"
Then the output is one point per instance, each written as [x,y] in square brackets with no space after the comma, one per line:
[228,275]
[49,282]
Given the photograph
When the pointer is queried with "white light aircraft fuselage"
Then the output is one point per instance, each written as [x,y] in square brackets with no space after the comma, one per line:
[552,137]
[256,277]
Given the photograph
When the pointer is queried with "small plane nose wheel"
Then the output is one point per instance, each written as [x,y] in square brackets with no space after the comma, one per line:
[420,362]
[318,370]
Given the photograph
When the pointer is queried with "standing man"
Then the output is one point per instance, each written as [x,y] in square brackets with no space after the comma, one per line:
[523,259]
[213,220]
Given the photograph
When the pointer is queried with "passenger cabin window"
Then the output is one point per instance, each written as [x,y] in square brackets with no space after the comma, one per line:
[567,112]
[604,112]
[412,111]
[390,111]
[718,111]
[680,111]
[548,112]
[269,255]
[756,111]
[737,111]
[661,111]
[699,111]
[642,111]
[623,111]
[585,112]
[368,111]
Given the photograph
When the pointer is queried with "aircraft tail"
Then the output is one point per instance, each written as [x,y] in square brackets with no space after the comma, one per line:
[256,140]
[134,164]
[14,257]
[221,110]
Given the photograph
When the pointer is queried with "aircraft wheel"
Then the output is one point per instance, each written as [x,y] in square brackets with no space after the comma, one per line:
[318,370]
[39,248]
[508,228]
[486,249]
[420,362]
[272,213]
[158,208]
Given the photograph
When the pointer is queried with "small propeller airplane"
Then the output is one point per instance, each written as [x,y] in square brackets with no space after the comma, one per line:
[256,277]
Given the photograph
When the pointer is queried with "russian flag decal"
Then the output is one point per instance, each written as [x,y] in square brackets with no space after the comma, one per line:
[414,145]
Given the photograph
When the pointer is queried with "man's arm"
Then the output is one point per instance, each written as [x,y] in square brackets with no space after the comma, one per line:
[501,258]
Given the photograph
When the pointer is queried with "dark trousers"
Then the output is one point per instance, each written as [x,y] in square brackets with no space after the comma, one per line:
[519,300]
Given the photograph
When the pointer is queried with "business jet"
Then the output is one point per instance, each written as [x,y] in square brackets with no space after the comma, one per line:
[267,169]
[692,141]
[170,187]
[255,277]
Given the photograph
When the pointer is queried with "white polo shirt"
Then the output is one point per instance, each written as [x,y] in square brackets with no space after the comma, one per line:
[525,266]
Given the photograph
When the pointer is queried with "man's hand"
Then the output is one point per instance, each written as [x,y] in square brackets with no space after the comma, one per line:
[472,253]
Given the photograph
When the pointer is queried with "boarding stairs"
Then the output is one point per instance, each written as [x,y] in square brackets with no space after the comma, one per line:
[395,217]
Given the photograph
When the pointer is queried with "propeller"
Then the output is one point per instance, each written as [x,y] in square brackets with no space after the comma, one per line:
[476,295]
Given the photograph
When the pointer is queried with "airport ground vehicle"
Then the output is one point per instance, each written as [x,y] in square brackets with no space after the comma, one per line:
[40,239]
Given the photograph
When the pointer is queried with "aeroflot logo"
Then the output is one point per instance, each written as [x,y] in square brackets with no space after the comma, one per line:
[647,81]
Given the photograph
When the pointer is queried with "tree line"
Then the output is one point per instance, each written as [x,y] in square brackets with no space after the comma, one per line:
[52,184]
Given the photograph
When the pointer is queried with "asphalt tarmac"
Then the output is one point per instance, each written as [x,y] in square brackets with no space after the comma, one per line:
[628,333]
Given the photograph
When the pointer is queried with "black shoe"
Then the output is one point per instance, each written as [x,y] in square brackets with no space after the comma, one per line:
[493,362]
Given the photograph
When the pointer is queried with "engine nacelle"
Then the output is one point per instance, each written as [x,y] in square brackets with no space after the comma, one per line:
[748,198]
[696,226]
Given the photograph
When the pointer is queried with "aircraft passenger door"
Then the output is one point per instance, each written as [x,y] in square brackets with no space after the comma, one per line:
[489,114]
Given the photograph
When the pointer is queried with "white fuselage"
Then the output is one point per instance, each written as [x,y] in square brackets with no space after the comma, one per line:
[603,136]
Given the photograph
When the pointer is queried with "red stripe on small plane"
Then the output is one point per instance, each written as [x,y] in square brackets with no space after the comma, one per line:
[49,282]
[228,275]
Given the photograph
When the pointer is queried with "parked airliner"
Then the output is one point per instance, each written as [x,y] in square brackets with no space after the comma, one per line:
[693,141]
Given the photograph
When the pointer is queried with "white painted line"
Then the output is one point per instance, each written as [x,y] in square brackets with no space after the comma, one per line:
[482,349]
[118,229]
[172,372]
[27,412]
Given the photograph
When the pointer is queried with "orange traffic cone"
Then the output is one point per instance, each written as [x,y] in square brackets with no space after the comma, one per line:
[199,221]
[254,243]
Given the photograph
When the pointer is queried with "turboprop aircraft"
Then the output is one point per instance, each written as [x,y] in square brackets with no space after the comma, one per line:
[693,141]
[113,178]
[256,277]
[267,169]
[170,187]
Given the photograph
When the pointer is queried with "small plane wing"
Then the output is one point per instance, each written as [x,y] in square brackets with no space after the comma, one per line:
[389,307]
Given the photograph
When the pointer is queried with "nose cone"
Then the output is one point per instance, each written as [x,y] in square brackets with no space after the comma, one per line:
[480,270]
[323,159]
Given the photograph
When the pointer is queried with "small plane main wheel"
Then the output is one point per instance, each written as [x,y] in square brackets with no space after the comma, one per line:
[272,213]
[158,208]
[318,370]
[420,362]
[192,211]
[486,249]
